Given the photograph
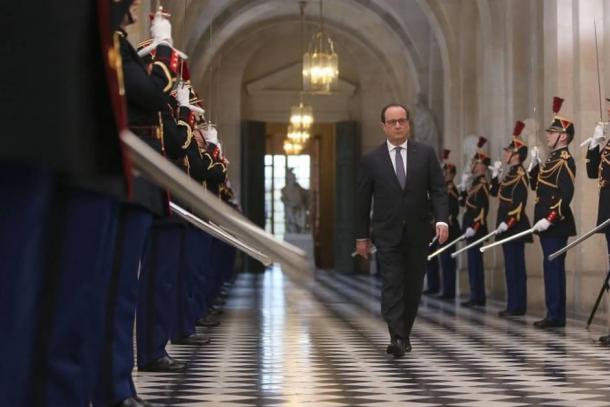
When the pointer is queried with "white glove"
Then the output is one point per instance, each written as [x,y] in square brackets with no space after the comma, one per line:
[496,169]
[470,232]
[183,96]
[535,158]
[542,225]
[502,227]
[211,135]
[598,136]
[464,182]
[198,111]
[161,30]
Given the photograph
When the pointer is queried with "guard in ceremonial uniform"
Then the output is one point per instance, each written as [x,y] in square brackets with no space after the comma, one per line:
[448,263]
[598,167]
[512,193]
[147,90]
[474,224]
[60,190]
[191,245]
[216,163]
[553,182]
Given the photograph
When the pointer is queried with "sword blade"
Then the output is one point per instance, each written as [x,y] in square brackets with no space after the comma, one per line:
[445,247]
[508,239]
[579,240]
[484,238]
[156,168]
[219,234]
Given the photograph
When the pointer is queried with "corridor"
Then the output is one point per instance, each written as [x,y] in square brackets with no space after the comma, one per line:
[285,345]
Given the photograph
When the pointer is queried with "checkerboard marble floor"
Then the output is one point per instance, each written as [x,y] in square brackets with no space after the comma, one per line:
[323,344]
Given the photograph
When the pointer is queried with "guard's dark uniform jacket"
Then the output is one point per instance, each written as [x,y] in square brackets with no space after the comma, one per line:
[147,96]
[554,186]
[476,203]
[512,195]
[216,168]
[454,210]
[598,166]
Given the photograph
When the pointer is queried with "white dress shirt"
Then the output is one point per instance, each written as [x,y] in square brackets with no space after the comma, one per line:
[403,153]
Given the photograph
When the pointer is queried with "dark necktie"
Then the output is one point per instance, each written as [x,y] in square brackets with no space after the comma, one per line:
[400,168]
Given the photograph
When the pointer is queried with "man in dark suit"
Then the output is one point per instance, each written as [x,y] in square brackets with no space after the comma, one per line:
[404,179]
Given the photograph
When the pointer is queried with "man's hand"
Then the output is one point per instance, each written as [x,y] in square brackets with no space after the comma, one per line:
[161,30]
[598,136]
[542,225]
[182,96]
[535,154]
[496,169]
[362,247]
[470,232]
[463,185]
[442,233]
[502,227]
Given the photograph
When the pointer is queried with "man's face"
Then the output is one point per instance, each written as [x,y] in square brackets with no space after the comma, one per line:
[396,126]
[448,175]
[506,155]
[133,10]
[552,138]
[478,168]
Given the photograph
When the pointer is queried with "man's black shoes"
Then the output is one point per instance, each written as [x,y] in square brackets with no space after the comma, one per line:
[429,291]
[195,339]
[471,303]
[164,364]
[549,323]
[604,340]
[398,347]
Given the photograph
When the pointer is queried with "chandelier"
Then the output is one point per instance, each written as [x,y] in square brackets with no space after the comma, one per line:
[301,116]
[291,148]
[320,62]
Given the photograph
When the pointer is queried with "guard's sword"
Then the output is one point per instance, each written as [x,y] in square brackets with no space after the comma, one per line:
[508,239]
[481,240]
[158,169]
[445,247]
[580,239]
[219,233]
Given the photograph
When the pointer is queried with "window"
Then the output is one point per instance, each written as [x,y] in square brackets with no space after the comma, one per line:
[276,167]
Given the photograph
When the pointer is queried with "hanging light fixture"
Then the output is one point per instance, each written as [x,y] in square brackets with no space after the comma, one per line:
[297,134]
[320,62]
[301,115]
[291,148]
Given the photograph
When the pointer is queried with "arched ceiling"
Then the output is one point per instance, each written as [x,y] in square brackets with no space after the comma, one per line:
[399,31]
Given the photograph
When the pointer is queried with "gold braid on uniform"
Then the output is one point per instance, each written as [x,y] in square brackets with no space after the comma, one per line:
[189,133]
[517,212]
[604,160]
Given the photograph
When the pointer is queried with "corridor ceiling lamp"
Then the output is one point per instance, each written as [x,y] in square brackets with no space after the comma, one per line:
[301,116]
[291,148]
[320,62]
[297,134]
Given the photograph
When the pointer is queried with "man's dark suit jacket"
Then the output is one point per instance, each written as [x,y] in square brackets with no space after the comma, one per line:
[423,198]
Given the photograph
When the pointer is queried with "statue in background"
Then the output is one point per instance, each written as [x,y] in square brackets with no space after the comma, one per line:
[296,204]
[425,129]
